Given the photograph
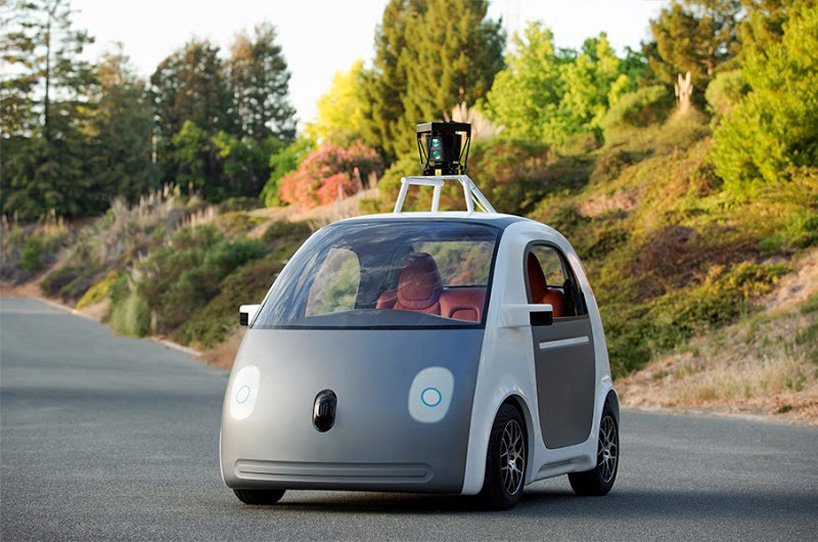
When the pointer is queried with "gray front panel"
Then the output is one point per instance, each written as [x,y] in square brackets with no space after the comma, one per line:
[375,443]
[564,353]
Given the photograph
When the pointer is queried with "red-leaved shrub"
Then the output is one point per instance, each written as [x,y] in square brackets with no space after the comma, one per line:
[330,171]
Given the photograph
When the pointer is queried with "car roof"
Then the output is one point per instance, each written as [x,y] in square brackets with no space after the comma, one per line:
[497,220]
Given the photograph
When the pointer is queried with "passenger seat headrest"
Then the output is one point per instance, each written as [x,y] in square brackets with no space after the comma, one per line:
[419,282]
[536,279]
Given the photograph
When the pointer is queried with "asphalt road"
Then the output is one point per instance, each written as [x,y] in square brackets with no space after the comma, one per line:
[103,437]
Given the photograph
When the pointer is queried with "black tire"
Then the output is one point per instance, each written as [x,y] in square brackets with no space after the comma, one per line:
[599,480]
[505,461]
[259,496]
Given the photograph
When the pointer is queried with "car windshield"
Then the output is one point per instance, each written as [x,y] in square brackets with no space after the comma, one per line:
[391,274]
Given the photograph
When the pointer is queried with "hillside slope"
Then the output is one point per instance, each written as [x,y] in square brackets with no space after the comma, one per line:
[673,259]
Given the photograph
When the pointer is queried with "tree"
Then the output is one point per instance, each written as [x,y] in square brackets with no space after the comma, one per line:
[548,96]
[340,116]
[775,127]
[430,55]
[763,24]
[453,55]
[260,83]
[526,95]
[45,103]
[386,83]
[121,131]
[699,36]
[191,85]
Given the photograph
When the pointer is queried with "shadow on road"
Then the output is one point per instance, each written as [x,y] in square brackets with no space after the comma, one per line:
[622,504]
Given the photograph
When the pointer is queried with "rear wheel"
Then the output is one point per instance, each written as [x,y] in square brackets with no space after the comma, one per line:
[259,496]
[599,480]
[505,461]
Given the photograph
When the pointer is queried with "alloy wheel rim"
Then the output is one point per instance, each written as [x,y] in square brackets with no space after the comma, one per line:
[512,457]
[608,453]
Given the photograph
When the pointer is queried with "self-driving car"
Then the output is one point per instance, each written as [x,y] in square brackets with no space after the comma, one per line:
[436,352]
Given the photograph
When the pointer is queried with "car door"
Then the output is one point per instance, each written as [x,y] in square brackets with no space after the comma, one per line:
[563,349]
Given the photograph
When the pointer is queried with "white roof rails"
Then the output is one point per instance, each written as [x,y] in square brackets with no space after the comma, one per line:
[473,196]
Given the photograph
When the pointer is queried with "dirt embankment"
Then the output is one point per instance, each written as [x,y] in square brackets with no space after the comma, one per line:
[766,364]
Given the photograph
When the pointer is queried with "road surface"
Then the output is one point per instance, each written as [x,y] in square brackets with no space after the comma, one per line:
[103,437]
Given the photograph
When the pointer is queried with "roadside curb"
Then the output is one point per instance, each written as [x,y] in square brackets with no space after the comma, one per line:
[701,413]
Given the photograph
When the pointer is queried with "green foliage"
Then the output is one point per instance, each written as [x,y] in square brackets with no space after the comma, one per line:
[774,127]
[429,56]
[640,108]
[130,314]
[181,277]
[190,85]
[696,36]
[549,96]
[44,105]
[37,252]
[99,291]
[724,92]
[259,81]
[282,162]
[211,324]
[340,117]
[122,126]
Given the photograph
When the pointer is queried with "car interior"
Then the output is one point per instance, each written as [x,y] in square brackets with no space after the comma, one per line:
[420,289]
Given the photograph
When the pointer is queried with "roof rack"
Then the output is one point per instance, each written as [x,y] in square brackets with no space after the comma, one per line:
[473,196]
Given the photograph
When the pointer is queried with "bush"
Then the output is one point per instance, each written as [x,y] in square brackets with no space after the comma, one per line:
[513,174]
[179,278]
[58,279]
[775,127]
[646,106]
[211,324]
[99,291]
[130,314]
[327,172]
[723,296]
[724,92]
[30,256]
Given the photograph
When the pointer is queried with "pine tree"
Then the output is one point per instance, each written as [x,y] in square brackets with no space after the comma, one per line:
[45,104]
[387,82]
[122,128]
[453,55]
[430,55]
[696,36]
[259,81]
[191,85]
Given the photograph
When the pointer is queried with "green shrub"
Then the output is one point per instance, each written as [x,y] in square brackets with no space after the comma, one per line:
[55,281]
[130,314]
[774,127]
[182,277]
[646,106]
[723,296]
[99,291]
[724,92]
[30,256]
[210,325]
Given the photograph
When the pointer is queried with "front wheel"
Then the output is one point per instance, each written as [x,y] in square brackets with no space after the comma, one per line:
[259,496]
[599,480]
[505,461]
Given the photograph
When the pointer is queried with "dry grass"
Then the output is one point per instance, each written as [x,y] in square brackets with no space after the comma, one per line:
[318,216]
[765,364]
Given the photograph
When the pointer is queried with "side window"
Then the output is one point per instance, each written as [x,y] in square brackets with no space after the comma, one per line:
[550,280]
[336,284]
